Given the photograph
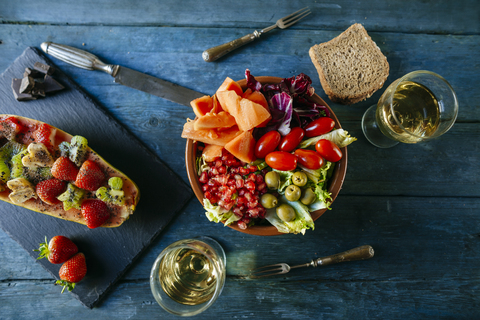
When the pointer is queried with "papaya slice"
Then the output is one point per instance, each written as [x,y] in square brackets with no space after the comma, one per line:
[242,147]
[119,214]
[211,152]
[229,84]
[214,120]
[209,136]
[203,105]
[257,97]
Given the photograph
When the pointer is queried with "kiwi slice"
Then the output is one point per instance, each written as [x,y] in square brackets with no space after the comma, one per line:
[7,152]
[115,194]
[72,197]
[17,165]
[35,175]
[78,150]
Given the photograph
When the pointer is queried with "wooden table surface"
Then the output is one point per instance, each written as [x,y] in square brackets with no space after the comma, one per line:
[417,205]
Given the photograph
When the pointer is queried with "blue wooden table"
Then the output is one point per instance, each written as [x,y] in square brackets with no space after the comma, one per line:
[417,205]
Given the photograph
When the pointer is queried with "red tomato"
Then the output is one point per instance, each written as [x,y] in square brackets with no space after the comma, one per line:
[281,160]
[267,143]
[310,159]
[291,140]
[319,126]
[328,150]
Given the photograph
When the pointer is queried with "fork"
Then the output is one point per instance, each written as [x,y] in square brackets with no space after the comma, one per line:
[214,53]
[359,253]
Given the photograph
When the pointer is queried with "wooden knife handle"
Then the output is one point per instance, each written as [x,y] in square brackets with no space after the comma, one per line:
[359,253]
[78,58]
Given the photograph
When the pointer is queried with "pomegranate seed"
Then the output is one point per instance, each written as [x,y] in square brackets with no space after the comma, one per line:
[243,171]
[242,225]
[252,168]
[259,178]
[250,185]
[252,204]
[203,177]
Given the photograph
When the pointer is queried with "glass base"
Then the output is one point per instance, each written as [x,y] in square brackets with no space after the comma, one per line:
[372,131]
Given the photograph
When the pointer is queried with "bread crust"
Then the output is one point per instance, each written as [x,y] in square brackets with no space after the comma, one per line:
[368,47]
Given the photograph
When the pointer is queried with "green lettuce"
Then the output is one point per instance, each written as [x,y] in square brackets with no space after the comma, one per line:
[303,220]
[338,136]
[218,214]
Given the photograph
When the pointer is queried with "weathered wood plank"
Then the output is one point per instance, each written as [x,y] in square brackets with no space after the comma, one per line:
[458,17]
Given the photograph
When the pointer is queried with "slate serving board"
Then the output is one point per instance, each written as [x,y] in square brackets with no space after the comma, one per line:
[109,251]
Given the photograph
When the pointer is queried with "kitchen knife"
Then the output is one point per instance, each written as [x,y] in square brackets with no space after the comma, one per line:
[127,77]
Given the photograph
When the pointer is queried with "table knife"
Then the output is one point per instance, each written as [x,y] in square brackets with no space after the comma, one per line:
[127,77]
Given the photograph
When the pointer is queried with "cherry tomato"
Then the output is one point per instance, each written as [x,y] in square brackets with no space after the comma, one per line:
[281,160]
[291,140]
[328,150]
[319,126]
[267,143]
[310,159]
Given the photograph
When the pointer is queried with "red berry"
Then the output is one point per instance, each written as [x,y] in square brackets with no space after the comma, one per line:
[90,176]
[49,190]
[58,250]
[72,271]
[10,127]
[95,212]
[45,134]
[64,169]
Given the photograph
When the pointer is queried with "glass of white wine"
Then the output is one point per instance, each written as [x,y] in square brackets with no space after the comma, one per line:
[188,276]
[417,107]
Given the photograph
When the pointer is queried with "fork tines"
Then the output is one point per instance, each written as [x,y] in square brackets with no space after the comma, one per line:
[264,272]
[295,17]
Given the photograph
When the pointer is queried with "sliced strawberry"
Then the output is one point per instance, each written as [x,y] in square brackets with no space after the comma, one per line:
[64,169]
[49,190]
[95,212]
[72,272]
[10,127]
[90,177]
[58,250]
[45,134]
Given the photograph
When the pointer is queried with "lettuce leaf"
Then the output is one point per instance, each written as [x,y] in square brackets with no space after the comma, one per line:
[303,220]
[218,214]
[338,136]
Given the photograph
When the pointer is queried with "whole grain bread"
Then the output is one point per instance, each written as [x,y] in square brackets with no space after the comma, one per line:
[351,66]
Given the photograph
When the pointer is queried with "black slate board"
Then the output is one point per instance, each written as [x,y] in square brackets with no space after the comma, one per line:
[109,251]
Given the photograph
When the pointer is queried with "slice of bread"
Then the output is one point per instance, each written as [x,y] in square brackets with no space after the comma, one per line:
[351,66]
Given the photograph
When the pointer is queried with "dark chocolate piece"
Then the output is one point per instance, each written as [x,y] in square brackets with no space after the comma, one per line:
[33,73]
[51,85]
[44,68]
[16,91]
[26,85]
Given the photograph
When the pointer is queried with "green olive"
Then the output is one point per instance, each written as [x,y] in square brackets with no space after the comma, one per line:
[308,197]
[286,212]
[293,193]
[268,201]
[272,179]
[299,178]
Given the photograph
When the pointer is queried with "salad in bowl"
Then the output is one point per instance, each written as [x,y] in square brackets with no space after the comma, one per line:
[265,155]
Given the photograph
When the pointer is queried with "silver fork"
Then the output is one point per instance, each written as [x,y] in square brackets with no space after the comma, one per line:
[359,253]
[214,53]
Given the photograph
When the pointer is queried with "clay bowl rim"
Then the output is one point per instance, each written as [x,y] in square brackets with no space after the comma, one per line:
[335,183]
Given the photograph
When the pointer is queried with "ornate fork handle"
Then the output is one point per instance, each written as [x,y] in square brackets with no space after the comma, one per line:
[359,253]
[214,53]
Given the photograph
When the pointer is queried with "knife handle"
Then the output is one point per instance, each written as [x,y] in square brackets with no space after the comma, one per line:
[359,253]
[78,58]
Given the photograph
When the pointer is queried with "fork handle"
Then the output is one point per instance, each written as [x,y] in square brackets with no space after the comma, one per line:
[359,253]
[214,53]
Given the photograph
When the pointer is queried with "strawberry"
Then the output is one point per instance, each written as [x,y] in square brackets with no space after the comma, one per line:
[49,190]
[58,250]
[90,177]
[95,212]
[64,169]
[10,127]
[45,134]
[72,272]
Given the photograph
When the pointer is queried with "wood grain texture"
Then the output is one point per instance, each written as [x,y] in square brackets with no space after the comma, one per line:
[417,205]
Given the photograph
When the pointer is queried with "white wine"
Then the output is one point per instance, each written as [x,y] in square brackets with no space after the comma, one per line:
[187,276]
[416,111]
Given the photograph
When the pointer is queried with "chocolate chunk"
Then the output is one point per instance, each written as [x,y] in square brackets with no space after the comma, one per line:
[44,68]
[26,85]
[51,85]
[35,74]
[16,91]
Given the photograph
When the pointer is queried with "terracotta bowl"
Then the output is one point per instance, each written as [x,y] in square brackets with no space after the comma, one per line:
[334,186]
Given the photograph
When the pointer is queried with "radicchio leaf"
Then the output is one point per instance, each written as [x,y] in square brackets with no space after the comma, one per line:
[283,102]
[252,83]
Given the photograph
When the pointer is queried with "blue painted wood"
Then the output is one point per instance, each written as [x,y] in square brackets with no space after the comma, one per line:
[417,205]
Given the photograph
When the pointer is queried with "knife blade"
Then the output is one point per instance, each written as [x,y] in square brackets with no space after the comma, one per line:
[122,75]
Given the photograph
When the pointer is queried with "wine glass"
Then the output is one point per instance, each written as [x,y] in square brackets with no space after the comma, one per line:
[418,107]
[188,275]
